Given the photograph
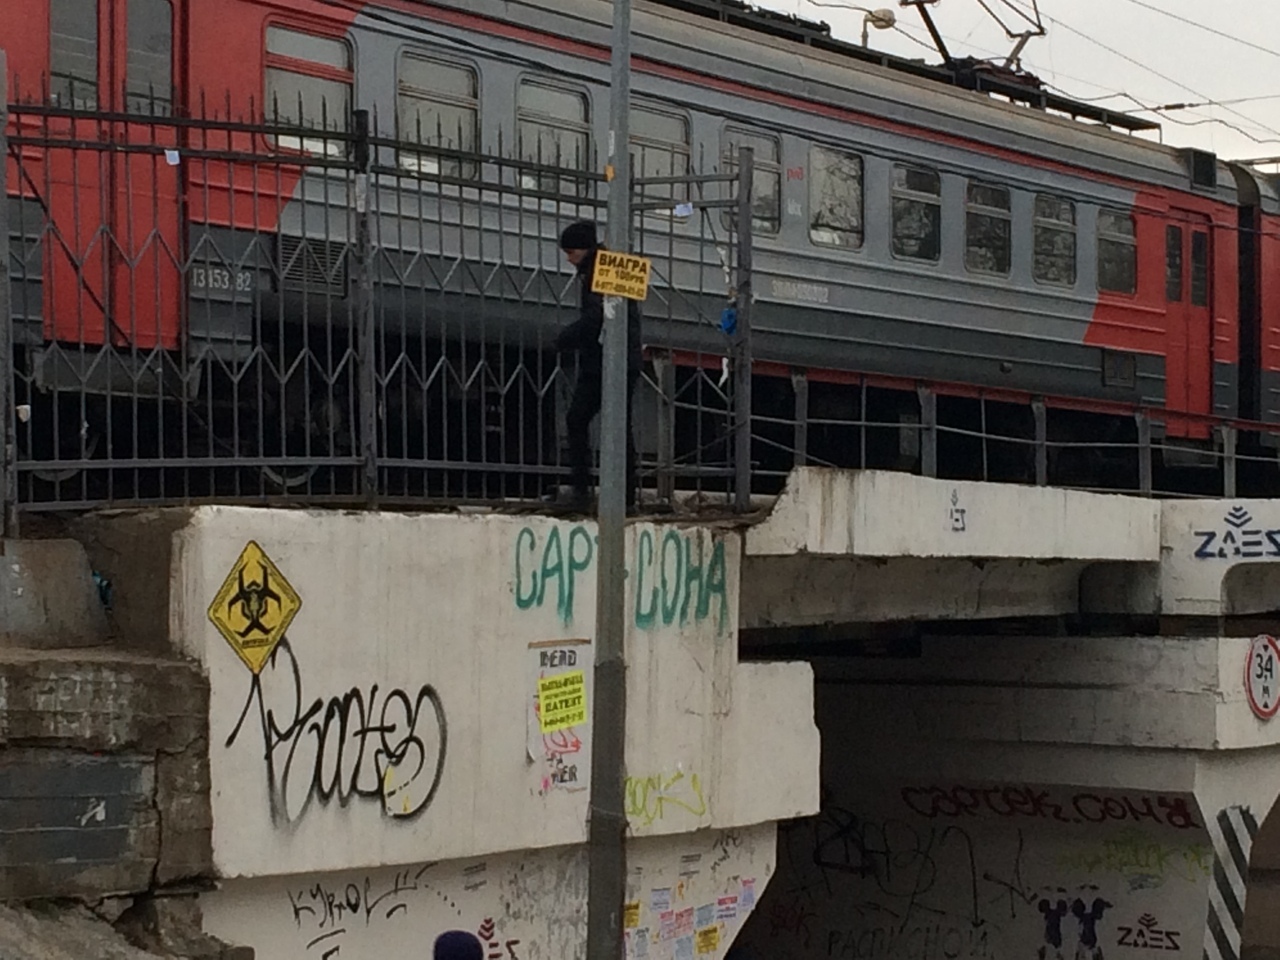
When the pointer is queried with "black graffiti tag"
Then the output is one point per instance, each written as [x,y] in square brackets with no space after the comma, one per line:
[374,746]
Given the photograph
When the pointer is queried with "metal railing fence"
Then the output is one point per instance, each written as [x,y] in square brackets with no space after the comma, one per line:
[256,312]
[212,310]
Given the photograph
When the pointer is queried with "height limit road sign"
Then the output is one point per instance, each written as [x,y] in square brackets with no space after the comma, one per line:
[1260,678]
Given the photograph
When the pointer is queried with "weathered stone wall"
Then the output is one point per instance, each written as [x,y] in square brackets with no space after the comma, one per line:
[104,784]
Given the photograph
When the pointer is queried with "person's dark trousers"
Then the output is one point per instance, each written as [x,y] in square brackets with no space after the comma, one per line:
[582,410]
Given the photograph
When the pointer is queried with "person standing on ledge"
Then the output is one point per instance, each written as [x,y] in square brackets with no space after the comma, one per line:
[584,336]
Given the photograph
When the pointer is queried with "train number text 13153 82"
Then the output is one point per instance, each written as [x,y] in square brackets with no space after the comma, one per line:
[215,280]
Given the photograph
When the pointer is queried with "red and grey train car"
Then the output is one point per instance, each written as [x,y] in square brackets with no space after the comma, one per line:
[907,231]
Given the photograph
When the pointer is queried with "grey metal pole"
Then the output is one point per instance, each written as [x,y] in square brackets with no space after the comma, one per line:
[8,448]
[608,827]
[742,335]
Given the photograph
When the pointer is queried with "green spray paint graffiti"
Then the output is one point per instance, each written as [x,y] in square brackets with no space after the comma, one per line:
[678,577]
[537,568]
[678,583]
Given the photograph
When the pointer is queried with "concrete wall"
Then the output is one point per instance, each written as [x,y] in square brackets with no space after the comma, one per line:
[847,546]
[912,859]
[1262,911]
[103,774]
[688,896]
[927,869]
[1219,557]
[397,720]
[872,513]
[973,795]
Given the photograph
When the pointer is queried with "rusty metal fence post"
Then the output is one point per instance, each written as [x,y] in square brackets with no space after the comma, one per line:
[8,448]
[928,431]
[1145,480]
[742,337]
[1041,414]
[362,283]
[1230,461]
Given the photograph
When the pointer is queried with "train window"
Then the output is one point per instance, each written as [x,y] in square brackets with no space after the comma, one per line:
[73,53]
[988,229]
[553,125]
[766,185]
[309,81]
[661,142]
[917,213]
[1173,264]
[149,70]
[438,105]
[835,198]
[1055,240]
[1117,252]
[1199,268]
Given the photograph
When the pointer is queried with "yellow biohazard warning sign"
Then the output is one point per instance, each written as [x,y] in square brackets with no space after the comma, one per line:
[255,606]
[620,275]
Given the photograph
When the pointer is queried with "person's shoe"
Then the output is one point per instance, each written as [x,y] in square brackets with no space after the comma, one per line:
[578,501]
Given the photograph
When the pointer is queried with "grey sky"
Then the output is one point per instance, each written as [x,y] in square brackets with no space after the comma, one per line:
[1168,61]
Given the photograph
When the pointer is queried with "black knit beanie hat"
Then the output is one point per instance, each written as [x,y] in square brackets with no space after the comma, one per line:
[579,236]
[458,945]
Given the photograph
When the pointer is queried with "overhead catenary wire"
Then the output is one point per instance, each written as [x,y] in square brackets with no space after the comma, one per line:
[1165,77]
[906,32]
[1205,27]
[416,26]
[1141,103]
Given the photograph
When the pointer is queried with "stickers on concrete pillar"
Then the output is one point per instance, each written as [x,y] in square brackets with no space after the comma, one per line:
[254,607]
[708,940]
[559,723]
[562,701]
[631,915]
[1260,678]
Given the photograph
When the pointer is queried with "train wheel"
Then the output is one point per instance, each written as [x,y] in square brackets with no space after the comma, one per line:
[58,429]
[320,428]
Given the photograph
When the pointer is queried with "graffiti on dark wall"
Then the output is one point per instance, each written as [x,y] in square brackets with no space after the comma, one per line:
[1014,802]
[384,746]
[985,873]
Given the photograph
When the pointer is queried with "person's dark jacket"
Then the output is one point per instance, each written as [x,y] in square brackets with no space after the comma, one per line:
[583,335]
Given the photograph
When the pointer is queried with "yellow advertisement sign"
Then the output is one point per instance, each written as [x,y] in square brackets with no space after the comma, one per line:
[621,275]
[631,915]
[562,701]
[708,940]
[254,607]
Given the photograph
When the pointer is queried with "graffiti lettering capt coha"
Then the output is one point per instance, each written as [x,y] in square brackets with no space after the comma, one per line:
[678,578]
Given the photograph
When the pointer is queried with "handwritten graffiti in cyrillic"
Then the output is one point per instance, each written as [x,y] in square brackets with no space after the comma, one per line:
[1012,801]
[679,578]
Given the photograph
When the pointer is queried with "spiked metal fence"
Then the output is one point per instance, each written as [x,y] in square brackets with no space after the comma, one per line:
[205,309]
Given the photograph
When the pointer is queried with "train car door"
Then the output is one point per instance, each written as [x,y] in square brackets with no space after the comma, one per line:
[114,264]
[1189,364]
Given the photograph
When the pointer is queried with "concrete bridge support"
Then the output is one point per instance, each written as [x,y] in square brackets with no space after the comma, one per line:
[400,728]
[991,796]
[1046,724]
